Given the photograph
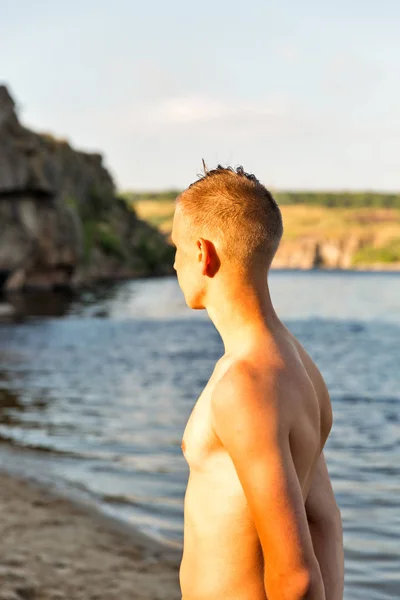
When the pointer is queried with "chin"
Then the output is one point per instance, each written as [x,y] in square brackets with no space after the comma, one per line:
[195,305]
[194,302]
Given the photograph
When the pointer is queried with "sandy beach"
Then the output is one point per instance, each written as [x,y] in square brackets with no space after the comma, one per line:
[55,549]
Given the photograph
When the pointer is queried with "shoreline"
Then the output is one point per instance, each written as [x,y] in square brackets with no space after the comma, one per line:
[94,283]
[54,547]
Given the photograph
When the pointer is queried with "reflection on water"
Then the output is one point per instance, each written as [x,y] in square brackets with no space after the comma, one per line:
[43,303]
[98,400]
[9,400]
[40,303]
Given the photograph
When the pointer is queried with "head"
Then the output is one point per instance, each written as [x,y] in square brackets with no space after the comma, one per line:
[225,223]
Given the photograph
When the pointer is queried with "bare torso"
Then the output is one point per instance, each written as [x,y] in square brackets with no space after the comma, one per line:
[222,556]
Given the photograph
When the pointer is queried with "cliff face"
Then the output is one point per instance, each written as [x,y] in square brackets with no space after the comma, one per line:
[339,238]
[60,221]
[309,253]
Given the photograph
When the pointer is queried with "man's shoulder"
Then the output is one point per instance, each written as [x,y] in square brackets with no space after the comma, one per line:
[246,369]
[244,382]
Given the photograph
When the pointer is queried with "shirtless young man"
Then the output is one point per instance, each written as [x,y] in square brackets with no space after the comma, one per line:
[260,516]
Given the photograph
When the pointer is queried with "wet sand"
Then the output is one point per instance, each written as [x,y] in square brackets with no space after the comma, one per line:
[52,548]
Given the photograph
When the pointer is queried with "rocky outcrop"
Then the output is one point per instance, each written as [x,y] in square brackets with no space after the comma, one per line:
[60,220]
[313,252]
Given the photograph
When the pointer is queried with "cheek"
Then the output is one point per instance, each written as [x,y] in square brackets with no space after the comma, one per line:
[178,261]
[183,261]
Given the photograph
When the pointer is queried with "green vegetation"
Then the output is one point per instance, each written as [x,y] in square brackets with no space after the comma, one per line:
[387,253]
[328,199]
[153,254]
[167,195]
[72,202]
[340,199]
[101,234]
[301,221]
[96,204]
[89,235]
[108,241]
[96,231]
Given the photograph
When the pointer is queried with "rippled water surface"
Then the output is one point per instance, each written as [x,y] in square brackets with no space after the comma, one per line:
[95,393]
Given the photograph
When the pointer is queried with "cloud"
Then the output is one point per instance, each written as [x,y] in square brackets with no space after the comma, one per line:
[193,114]
[189,109]
[199,108]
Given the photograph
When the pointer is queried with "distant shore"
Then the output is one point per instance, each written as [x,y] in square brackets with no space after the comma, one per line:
[384,267]
[353,237]
[53,548]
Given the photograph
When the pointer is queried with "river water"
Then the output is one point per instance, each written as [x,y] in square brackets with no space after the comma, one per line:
[96,390]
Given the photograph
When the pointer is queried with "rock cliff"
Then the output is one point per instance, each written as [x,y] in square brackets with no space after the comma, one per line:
[61,223]
[312,252]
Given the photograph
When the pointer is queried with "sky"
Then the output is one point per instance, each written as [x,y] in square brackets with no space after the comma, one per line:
[306,95]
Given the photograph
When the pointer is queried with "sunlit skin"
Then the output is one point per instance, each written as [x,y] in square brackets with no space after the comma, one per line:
[253,443]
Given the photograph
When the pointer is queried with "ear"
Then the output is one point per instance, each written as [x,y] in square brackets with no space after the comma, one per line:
[208,257]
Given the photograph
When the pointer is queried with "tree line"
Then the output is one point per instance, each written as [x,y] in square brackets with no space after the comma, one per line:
[329,199]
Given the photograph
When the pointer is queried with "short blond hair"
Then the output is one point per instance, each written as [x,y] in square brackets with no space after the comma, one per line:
[237,210]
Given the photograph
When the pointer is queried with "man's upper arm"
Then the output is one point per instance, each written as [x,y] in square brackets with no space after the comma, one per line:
[320,505]
[246,420]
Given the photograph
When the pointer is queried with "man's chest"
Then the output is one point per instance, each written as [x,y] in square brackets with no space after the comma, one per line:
[199,438]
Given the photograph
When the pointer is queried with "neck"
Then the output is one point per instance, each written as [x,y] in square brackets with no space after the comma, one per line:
[241,311]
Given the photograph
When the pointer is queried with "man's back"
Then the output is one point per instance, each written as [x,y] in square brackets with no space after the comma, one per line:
[222,555]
